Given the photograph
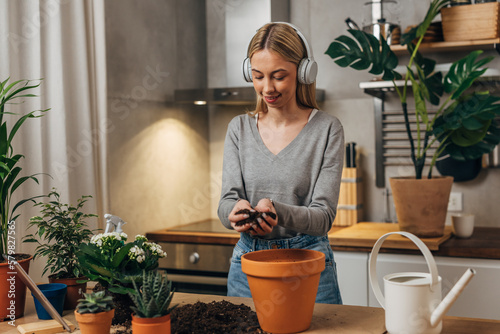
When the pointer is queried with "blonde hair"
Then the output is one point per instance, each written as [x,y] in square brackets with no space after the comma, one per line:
[284,40]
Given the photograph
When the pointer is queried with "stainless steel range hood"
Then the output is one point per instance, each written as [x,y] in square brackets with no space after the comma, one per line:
[225,96]
[230,26]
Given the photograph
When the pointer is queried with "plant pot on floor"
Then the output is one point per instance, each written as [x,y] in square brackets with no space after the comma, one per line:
[95,323]
[151,325]
[421,205]
[55,294]
[283,283]
[75,290]
[12,290]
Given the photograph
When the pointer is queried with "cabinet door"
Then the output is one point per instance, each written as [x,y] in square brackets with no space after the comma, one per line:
[352,276]
[481,297]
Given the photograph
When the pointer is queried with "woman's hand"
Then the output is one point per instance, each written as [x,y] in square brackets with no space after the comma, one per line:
[234,218]
[266,223]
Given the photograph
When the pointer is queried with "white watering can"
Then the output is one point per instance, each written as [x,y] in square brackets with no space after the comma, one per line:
[412,300]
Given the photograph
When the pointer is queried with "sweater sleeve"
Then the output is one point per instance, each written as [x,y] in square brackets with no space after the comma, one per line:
[317,218]
[232,181]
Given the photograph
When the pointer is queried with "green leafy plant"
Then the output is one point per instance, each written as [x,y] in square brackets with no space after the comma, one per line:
[463,126]
[61,229]
[10,171]
[95,302]
[114,263]
[153,297]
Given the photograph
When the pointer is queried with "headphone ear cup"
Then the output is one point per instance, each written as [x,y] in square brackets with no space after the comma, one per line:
[307,71]
[247,70]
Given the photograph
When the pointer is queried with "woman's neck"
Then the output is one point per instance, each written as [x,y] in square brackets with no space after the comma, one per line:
[285,117]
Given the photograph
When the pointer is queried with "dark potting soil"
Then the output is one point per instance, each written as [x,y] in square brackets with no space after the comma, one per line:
[123,313]
[220,317]
[214,317]
[18,257]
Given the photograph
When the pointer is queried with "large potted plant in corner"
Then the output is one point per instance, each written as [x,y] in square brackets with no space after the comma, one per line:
[94,313]
[152,300]
[12,289]
[61,229]
[463,126]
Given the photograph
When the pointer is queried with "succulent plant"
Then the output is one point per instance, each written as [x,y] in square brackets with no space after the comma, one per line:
[95,302]
[152,299]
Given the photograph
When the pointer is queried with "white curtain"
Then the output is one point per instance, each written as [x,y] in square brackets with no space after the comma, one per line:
[63,42]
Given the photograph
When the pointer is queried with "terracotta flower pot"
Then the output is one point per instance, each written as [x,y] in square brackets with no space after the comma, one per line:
[95,323]
[421,205]
[151,325]
[284,283]
[75,290]
[12,290]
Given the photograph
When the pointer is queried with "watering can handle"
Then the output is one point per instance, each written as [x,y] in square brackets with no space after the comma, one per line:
[372,263]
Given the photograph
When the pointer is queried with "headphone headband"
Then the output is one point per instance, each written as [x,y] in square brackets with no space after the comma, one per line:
[306,70]
[309,53]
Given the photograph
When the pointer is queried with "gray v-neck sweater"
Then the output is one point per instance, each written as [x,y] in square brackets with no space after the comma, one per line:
[303,179]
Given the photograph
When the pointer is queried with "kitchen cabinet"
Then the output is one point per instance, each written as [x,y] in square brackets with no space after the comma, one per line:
[481,297]
[352,274]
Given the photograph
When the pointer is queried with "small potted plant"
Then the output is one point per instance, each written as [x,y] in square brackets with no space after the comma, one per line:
[462,127]
[114,263]
[152,304]
[94,313]
[12,180]
[61,229]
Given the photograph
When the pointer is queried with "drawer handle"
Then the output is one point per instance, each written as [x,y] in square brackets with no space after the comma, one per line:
[194,258]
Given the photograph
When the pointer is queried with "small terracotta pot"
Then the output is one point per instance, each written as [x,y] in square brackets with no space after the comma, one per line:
[12,290]
[421,205]
[95,323]
[284,283]
[151,325]
[75,290]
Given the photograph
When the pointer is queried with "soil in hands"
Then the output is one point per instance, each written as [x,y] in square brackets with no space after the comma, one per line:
[214,317]
[252,216]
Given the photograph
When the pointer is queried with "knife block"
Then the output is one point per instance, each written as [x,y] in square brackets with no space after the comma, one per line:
[350,205]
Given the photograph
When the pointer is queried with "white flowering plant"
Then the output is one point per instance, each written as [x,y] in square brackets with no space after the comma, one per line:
[113,262]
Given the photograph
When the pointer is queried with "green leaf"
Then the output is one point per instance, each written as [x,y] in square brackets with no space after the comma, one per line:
[420,30]
[363,52]
[121,255]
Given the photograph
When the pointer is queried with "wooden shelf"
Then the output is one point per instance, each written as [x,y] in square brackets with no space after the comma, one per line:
[484,44]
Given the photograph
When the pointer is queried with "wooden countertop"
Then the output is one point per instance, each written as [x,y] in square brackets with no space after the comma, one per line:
[484,243]
[326,318]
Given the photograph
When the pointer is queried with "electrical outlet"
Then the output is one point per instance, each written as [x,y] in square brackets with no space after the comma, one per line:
[455,203]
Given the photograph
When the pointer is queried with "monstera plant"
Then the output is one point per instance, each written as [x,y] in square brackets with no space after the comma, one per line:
[464,124]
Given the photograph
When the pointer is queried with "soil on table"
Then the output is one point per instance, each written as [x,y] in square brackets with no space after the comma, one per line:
[208,318]
[214,317]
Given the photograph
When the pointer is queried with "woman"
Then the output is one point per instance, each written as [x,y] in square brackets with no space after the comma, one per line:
[284,158]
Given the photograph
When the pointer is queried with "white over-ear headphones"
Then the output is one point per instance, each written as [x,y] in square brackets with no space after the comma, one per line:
[306,71]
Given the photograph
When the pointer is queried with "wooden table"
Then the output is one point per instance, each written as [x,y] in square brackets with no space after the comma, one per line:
[326,318]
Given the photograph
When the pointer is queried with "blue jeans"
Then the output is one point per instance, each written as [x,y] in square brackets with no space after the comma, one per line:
[328,290]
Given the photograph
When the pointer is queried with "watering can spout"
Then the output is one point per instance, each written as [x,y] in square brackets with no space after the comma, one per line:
[450,298]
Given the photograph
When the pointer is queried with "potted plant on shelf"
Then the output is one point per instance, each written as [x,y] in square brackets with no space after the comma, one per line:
[152,300]
[463,126]
[94,313]
[114,263]
[12,293]
[61,229]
